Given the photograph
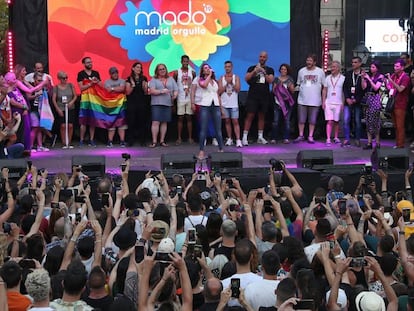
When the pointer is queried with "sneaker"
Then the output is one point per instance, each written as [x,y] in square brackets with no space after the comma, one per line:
[40,149]
[239,143]
[92,143]
[122,144]
[81,143]
[71,147]
[336,141]
[299,139]
[286,141]
[66,147]
[345,143]
[229,142]
[262,141]
[311,140]
[273,142]
[245,142]
[214,142]
[328,142]
[109,144]
[33,151]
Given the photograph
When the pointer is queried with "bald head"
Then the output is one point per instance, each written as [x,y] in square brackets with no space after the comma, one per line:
[212,290]
[59,228]
[263,58]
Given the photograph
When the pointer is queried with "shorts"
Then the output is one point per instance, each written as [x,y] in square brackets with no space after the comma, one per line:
[183,108]
[161,113]
[332,112]
[257,104]
[232,113]
[71,117]
[308,112]
[34,119]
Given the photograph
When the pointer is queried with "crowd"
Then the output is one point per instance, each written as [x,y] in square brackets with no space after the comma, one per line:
[127,105]
[73,243]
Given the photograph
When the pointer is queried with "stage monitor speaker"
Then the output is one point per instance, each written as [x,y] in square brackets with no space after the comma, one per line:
[222,161]
[17,167]
[172,161]
[93,166]
[309,158]
[390,159]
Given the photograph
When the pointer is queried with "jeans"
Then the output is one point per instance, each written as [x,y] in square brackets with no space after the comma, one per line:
[352,112]
[277,119]
[15,151]
[215,113]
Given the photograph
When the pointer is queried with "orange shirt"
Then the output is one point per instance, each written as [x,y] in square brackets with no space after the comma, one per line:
[17,301]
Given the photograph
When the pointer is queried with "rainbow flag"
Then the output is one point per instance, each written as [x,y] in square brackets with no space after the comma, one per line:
[101,108]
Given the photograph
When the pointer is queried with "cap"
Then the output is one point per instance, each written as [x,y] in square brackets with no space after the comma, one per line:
[113,70]
[369,301]
[405,204]
[166,246]
[160,230]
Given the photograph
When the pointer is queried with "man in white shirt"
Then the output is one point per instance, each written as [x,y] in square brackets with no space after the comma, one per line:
[310,81]
[262,293]
[333,101]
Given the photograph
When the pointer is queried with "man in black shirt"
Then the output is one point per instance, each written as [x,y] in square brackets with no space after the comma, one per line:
[212,292]
[258,98]
[86,78]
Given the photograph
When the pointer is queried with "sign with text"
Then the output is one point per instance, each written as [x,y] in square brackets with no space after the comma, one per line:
[385,36]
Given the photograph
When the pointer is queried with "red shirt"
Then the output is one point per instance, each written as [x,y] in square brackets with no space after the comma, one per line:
[401,99]
[17,301]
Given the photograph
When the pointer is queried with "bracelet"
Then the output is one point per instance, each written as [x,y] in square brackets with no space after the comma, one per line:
[401,232]
[350,224]
[149,213]
[74,239]
[142,240]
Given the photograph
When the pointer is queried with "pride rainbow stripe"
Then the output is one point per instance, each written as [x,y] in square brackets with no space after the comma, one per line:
[101,108]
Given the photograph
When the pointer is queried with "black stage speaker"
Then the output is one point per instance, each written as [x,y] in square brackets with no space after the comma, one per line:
[390,158]
[93,166]
[177,163]
[309,158]
[223,161]
[17,167]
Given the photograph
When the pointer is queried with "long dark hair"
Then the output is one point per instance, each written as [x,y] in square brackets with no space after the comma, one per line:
[213,75]
[133,75]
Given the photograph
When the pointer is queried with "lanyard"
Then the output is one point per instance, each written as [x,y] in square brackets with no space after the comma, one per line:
[336,82]
[354,82]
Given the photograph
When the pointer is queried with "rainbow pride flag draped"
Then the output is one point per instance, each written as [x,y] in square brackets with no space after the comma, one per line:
[101,108]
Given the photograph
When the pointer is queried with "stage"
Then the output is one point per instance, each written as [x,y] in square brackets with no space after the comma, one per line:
[255,159]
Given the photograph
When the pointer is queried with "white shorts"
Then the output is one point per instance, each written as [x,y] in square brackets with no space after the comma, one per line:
[183,108]
[332,112]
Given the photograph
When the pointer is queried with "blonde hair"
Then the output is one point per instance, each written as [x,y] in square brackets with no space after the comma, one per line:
[38,285]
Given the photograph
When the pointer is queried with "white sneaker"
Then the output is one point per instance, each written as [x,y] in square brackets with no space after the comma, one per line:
[412,145]
[214,142]
[40,149]
[262,141]
[239,143]
[245,142]
[229,142]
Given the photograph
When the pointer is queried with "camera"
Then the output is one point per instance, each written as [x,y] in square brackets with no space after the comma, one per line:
[277,165]
[126,156]
[235,287]
[358,262]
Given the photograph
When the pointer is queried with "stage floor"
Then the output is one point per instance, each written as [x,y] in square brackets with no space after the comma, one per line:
[254,155]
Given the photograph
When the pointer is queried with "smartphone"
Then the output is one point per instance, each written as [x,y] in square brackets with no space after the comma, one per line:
[235,287]
[342,206]
[259,195]
[304,304]
[406,213]
[6,227]
[234,208]
[78,169]
[123,167]
[179,190]
[229,182]
[192,236]
[78,199]
[197,252]
[358,262]
[268,208]
[139,253]
[163,257]
[29,165]
[54,205]
[78,217]
[105,199]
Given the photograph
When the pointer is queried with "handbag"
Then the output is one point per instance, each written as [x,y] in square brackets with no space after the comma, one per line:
[389,105]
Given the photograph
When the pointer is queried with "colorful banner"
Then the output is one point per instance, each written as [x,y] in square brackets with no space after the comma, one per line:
[118,33]
[101,108]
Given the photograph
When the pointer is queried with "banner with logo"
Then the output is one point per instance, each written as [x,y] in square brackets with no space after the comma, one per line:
[119,33]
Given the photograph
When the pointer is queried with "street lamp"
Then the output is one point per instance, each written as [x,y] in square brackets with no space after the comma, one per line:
[361,51]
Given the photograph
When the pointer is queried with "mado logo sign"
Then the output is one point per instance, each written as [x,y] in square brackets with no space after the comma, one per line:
[169,18]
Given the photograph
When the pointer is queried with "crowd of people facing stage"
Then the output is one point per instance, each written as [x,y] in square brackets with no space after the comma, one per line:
[71,243]
[356,95]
